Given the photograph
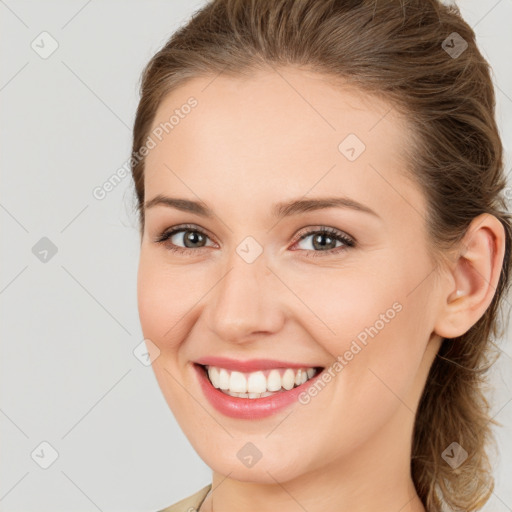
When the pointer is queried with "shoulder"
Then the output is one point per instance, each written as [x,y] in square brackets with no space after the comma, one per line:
[190,503]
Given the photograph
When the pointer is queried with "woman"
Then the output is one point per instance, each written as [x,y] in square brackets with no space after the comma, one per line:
[324,251]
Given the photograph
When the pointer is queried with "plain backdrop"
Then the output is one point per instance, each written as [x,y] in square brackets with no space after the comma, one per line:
[69,378]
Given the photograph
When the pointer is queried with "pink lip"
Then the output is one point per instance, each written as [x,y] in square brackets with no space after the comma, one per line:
[249,366]
[249,408]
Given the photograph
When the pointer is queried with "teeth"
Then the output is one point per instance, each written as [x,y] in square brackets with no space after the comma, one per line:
[223,382]
[301,377]
[274,381]
[237,382]
[288,379]
[256,384]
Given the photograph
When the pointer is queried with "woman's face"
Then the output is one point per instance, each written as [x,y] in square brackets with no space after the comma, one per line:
[258,154]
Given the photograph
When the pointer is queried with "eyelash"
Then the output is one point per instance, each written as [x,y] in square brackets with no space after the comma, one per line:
[338,235]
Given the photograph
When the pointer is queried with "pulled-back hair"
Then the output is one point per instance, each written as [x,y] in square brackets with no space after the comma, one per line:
[407,52]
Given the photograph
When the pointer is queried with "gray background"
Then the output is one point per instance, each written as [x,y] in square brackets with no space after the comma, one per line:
[70,324]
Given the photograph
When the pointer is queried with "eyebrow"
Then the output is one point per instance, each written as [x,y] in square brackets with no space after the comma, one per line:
[279,210]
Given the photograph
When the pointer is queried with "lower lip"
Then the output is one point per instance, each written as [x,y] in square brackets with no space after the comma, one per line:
[249,408]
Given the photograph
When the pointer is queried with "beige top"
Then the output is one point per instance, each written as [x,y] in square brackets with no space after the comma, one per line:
[191,503]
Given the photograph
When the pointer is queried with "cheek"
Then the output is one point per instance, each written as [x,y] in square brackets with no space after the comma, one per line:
[152,295]
[340,305]
[376,323]
[164,296]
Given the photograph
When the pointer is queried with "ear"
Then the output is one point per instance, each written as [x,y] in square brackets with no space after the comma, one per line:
[473,277]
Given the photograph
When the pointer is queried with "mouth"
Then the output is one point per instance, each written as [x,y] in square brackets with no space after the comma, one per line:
[269,388]
[258,384]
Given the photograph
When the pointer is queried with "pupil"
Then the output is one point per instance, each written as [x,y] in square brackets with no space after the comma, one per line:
[193,237]
[317,240]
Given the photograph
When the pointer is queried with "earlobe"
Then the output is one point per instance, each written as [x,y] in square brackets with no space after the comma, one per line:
[474,276]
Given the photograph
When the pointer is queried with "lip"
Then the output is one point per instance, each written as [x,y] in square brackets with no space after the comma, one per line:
[249,408]
[251,365]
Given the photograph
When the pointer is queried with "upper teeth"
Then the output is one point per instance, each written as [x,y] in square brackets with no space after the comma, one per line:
[258,382]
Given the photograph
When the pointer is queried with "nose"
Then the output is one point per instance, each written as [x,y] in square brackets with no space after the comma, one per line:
[246,303]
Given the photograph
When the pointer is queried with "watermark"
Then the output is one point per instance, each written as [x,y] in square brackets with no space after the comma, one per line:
[44,45]
[174,120]
[351,147]
[357,344]
[146,352]
[44,455]
[454,45]
[454,455]
[249,454]
[156,136]
[249,249]
[44,250]
[508,197]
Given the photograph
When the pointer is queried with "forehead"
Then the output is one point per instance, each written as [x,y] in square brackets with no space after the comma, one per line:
[281,132]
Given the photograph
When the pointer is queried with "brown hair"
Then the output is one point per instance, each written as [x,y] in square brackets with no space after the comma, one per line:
[403,52]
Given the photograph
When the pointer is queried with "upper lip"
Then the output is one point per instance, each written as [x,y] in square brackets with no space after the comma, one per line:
[249,365]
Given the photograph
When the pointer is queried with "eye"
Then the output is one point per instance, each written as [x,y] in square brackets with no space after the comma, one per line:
[324,240]
[190,236]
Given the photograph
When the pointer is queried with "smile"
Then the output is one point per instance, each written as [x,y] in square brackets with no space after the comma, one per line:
[255,389]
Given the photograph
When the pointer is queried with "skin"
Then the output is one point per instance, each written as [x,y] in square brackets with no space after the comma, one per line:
[269,138]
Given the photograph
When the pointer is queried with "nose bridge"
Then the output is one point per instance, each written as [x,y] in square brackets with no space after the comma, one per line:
[243,302]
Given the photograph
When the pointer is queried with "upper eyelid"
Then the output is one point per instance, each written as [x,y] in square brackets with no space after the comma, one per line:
[177,229]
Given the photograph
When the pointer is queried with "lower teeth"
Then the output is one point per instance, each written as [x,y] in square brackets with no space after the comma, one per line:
[250,395]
